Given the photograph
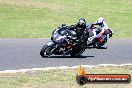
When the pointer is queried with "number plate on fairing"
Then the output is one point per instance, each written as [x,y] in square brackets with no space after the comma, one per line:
[50,43]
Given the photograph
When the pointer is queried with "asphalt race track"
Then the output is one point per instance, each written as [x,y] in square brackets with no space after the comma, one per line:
[24,54]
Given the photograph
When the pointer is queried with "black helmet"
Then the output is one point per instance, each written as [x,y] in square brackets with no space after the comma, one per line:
[63,25]
[82,22]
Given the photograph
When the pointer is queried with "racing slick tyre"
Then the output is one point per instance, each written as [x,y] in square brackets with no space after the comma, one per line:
[77,51]
[45,51]
[96,43]
[73,54]
[105,40]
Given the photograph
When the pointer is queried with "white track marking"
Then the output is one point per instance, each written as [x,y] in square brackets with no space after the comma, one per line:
[60,67]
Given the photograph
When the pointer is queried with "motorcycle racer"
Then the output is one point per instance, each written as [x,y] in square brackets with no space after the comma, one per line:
[80,29]
[103,27]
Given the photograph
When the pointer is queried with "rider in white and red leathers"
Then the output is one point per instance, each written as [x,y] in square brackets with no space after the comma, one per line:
[103,29]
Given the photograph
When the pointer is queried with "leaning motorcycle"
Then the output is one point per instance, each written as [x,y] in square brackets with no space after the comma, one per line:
[63,42]
[96,43]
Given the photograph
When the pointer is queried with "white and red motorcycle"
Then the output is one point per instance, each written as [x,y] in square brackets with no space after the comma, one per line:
[96,41]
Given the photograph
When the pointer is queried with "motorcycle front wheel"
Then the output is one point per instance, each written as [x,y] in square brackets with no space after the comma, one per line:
[45,51]
[96,43]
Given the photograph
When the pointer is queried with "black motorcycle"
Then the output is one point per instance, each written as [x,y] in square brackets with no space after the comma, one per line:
[63,42]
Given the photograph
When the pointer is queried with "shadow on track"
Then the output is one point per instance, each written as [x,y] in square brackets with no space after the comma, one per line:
[102,48]
[96,48]
[70,56]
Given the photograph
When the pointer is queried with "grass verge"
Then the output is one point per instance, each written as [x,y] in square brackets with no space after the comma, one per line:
[60,78]
[37,18]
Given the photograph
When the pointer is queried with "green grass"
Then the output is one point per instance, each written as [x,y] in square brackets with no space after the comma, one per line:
[37,18]
[60,78]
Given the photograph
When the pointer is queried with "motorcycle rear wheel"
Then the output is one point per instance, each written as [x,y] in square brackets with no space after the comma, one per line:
[77,52]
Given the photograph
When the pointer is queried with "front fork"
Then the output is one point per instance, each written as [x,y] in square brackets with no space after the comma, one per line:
[51,48]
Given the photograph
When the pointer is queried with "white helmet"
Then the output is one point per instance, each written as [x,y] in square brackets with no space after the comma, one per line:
[100,20]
